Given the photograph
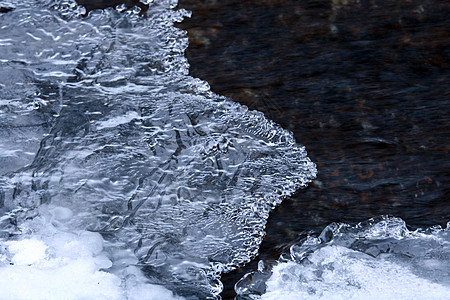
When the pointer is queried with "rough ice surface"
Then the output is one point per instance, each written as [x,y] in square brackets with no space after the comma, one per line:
[377,259]
[103,131]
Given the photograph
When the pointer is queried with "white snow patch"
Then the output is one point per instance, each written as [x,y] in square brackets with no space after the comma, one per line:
[67,271]
[51,262]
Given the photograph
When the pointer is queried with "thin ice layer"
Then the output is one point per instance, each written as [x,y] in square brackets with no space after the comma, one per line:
[119,135]
[378,259]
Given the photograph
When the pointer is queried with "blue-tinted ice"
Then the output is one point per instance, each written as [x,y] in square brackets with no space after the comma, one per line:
[376,259]
[99,116]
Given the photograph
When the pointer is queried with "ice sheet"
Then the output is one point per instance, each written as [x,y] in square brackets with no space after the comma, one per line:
[101,120]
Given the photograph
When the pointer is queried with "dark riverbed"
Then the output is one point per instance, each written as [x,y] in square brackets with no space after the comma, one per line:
[362,84]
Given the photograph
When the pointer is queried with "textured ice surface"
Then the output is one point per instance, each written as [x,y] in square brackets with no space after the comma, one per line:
[102,130]
[378,259]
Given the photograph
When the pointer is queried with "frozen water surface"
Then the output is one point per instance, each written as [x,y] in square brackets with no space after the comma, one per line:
[377,259]
[128,177]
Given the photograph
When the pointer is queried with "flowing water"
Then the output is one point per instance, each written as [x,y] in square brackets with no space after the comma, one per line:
[122,177]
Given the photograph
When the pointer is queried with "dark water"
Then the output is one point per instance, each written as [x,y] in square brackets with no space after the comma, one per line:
[362,84]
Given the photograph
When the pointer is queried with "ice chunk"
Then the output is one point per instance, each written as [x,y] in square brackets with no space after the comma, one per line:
[378,259]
